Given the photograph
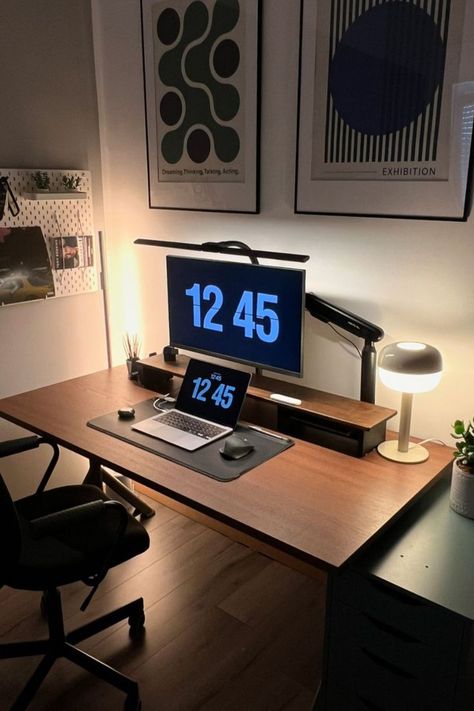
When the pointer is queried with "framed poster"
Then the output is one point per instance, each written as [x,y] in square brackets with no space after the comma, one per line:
[386,105]
[201,62]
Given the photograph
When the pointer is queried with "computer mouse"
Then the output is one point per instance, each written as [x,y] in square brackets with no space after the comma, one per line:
[236,447]
[126,413]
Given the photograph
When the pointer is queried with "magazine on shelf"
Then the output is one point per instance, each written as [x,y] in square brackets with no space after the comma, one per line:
[72,252]
[25,267]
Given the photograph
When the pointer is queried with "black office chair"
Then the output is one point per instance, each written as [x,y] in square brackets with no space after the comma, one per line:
[64,535]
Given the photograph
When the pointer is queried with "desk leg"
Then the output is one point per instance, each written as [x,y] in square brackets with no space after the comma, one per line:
[94,475]
[97,476]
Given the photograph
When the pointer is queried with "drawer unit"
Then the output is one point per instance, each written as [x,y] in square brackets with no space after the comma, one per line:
[406,613]
[387,650]
[400,619]
[373,663]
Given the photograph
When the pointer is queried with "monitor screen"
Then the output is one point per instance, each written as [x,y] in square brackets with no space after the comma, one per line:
[247,313]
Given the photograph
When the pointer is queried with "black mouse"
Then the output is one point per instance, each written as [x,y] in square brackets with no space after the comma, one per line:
[236,447]
[126,413]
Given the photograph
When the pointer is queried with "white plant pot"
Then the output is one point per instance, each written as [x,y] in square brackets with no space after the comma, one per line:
[461,498]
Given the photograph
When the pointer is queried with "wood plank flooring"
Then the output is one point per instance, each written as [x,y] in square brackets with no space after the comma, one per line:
[227,629]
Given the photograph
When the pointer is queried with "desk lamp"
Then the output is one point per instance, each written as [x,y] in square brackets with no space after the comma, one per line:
[233,247]
[409,368]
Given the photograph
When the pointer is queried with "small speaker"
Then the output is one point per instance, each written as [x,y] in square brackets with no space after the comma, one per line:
[169,354]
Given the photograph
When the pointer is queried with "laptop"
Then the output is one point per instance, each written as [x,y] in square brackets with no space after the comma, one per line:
[207,407]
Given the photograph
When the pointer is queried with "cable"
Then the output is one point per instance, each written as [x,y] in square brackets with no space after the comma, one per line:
[341,335]
[161,400]
[433,439]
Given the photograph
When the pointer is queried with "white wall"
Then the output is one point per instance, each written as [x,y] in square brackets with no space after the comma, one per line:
[48,119]
[413,278]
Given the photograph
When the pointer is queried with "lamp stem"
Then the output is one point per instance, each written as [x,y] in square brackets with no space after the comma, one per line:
[405,420]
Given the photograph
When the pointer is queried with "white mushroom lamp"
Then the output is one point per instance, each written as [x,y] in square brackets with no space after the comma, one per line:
[409,368]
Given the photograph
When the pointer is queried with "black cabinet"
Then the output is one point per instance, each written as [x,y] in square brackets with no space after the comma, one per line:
[400,633]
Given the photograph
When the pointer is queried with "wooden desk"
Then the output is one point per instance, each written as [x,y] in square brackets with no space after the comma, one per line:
[313,505]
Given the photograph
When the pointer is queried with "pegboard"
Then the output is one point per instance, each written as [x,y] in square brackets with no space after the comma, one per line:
[69,216]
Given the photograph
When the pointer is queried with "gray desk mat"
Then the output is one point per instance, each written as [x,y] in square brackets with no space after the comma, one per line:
[206,460]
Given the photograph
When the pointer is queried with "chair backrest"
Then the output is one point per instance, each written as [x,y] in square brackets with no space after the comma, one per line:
[10,532]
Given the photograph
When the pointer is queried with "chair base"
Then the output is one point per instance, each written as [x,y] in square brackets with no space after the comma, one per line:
[60,644]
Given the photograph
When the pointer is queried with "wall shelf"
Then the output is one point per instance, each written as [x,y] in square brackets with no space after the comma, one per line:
[71,195]
[59,213]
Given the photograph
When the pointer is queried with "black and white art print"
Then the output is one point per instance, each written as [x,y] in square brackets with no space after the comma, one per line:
[201,73]
[386,107]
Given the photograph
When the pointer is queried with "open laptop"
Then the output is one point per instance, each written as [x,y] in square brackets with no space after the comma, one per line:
[207,407]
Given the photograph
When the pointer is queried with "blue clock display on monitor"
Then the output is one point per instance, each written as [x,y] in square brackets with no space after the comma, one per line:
[244,312]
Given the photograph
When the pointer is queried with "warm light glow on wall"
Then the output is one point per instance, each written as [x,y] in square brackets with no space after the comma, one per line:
[124,281]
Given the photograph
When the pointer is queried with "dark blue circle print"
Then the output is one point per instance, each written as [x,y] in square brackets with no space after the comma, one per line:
[168,26]
[386,68]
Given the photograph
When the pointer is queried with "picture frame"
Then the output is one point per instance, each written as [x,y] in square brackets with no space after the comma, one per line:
[201,69]
[385,109]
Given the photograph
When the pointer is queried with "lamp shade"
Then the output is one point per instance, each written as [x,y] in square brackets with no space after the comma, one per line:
[410,367]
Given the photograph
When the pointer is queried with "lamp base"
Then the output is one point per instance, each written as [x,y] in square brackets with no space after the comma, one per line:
[415,455]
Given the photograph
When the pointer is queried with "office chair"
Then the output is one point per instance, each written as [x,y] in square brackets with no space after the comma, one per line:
[60,536]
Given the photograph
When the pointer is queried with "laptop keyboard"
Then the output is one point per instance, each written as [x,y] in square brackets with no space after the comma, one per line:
[206,430]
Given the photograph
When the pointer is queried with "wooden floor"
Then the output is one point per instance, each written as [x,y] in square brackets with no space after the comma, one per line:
[227,629]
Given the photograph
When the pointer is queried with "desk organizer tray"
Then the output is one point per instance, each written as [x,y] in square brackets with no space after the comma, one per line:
[206,460]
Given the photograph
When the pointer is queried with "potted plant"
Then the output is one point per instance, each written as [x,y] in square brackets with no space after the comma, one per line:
[131,345]
[71,182]
[41,181]
[462,483]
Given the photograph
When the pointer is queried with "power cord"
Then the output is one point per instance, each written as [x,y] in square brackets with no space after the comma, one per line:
[433,439]
[163,400]
[341,335]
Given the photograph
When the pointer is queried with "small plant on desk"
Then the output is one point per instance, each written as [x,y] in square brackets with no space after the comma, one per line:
[462,482]
[131,345]
[464,452]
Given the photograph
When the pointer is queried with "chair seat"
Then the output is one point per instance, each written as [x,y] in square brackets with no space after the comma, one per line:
[75,553]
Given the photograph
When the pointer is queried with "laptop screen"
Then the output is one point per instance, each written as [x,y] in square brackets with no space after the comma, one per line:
[213,392]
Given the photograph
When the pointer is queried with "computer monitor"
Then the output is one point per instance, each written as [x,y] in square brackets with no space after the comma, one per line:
[242,312]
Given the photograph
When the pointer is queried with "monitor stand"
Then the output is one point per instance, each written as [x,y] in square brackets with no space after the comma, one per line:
[336,422]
